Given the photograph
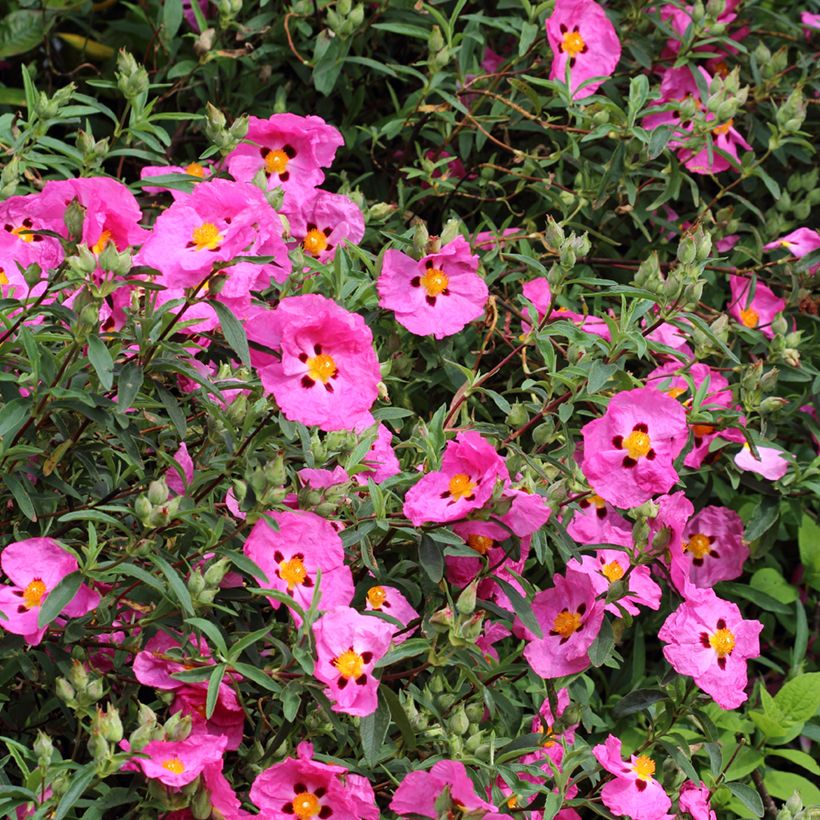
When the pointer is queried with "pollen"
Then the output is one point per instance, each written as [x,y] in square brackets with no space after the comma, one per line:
[350,664]
[99,246]
[194,169]
[644,767]
[597,502]
[461,486]
[701,430]
[722,130]
[276,162]
[637,444]
[315,242]
[434,281]
[482,544]
[33,594]
[566,623]
[376,596]
[306,805]
[321,368]
[612,571]
[206,237]
[292,572]
[698,545]
[4,280]
[749,317]
[18,232]
[573,43]
[675,392]
[174,765]
[723,642]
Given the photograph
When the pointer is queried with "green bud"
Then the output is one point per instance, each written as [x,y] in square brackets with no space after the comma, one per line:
[420,238]
[78,675]
[132,78]
[65,692]
[110,724]
[143,509]
[216,572]
[98,746]
[554,234]
[146,716]
[451,231]
[74,217]
[459,723]
[201,807]
[158,492]
[687,250]
[616,591]
[43,749]
[435,40]
[772,404]
[466,600]
[196,583]
[94,691]
[518,415]
[795,803]
[380,212]
[275,471]
[178,727]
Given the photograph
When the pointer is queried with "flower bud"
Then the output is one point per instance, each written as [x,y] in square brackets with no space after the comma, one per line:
[196,583]
[109,722]
[466,600]
[43,749]
[98,746]
[143,509]
[421,236]
[65,692]
[459,723]
[158,492]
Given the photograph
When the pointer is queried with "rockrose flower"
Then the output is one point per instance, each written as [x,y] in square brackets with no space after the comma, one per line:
[327,373]
[713,549]
[418,793]
[381,459]
[303,788]
[177,483]
[596,522]
[291,150]
[694,801]
[291,555]
[629,452]
[35,566]
[543,723]
[798,243]
[756,309]
[538,292]
[771,464]
[634,792]
[177,763]
[439,295]
[582,38]
[390,601]
[708,639]
[469,471]
[323,221]
[570,619]
[348,645]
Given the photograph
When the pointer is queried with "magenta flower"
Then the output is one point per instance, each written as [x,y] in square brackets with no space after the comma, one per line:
[304,788]
[418,792]
[713,549]
[771,464]
[348,645]
[177,763]
[666,528]
[492,633]
[469,471]
[634,792]
[291,150]
[629,452]
[538,292]
[390,601]
[35,566]
[197,171]
[597,522]
[292,555]
[322,221]
[694,800]
[381,458]
[178,484]
[757,310]
[328,372]
[708,639]
[570,618]
[543,723]
[582,38]
[798,243]
[439,295]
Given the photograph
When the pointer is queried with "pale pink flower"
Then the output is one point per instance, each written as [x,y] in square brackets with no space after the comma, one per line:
[771,464]
[754,310]
[176,763]
[389,601]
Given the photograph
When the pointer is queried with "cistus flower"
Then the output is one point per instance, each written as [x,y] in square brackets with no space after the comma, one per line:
[470,468]
[327,372]
[708,639]
[390,601]
[798,243]
[439,295]
[633,792]
[629,451]
[293,552]
[348,644]
[538,292]
[321,222]
[554,741]
[381,459]
[303,788]
[693,799]
[754,309]
[570,618]
[35,567]
[582,38]
[176,763]
[596,522]
[418,793]
[771,464]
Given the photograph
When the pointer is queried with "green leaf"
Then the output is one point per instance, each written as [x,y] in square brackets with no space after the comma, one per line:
[19,490]
[748,796]
[21,31]
[373,729]
[406,649]
[521,606]
[431,558]
[213,689]
[101,361]
[257,676]
[171,21]
[212,631]
[13,415]
[637,701]
[233,331]
[764,516]
[770,581]
[799,699]
[80,781]
[783,784]
[603,644]
[805,761]
[808,538]
[181,594]
[128,385]
[57,600]
[399,717]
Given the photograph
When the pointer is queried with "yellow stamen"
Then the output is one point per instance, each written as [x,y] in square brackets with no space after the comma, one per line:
[701,430]
[206,237]
[18,232]
[644,767]
[512,802]
[675,392]
[4,280]
[194,169]
[174,765]
[99,246]
[460,486]
[33,594]
[612,571]
[566,623]
[548,733]
[698,545]
[749,317]
[573,43]
[637,444]
[722,130]
[350,664]
[434,281]
[321,368]
[723,642]
[315,242]
[376,596]
[597,501]
[276,162]
[292,572]
[480,543]
[306,805]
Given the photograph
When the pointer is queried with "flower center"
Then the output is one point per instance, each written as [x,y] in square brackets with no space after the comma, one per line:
[722,130]
[99,246]
[573,43]
[549,734]
[434,281]
[4,280]
[321,368]
[194,169]
[315,242]
[699,545]
[674,392]
[597,501]
[206,237]
[480,543]
[701,430]
[461,486]
[350,664]
[376,596]
[512,802]
[612,571]
[174,765]
[276,162]
[723,642]
[292,572]
[644,767]
[306,805]
[33,594]
[566,623]
[637,444]
[749,317]
[26,237]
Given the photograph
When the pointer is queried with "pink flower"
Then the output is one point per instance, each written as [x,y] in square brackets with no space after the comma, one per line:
[771,464]
[291,555]
[197,171]
[666,528]
[708,639]
[754,311]
[178,763]
[596,522]
[634,792]
[324,220]
[469,471]
[712,550]
[798,243]
[381,459]
[569,618]
[322,479]
[348,645]
[291,150]
[227,720]
[538,292]
[418,792]
[35,566]
[543,723]
[176,484]
[439,295]
[303,788]
[694,801]
[582,37]
[810,21]
[629,452]
[493,633]
[389,601]
[328,372]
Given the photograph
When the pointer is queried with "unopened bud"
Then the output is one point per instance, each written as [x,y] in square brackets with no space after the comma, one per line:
[466,600]
[158,492]
[43,748]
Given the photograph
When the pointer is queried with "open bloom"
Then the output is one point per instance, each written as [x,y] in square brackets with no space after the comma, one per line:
[177,763]
[798,243]
[569,618]
[543,724]
[348,645]
[303,788]
[771,464]
[538,292]
[390,601]
[634,792]
[439,295]
[597,522]
[324,220]
[754,310]
[35,566]
[582,38]
[327,373]
[629,452]
[469,470]
[381,459]
[708,639]
[291,556]
[694,801]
